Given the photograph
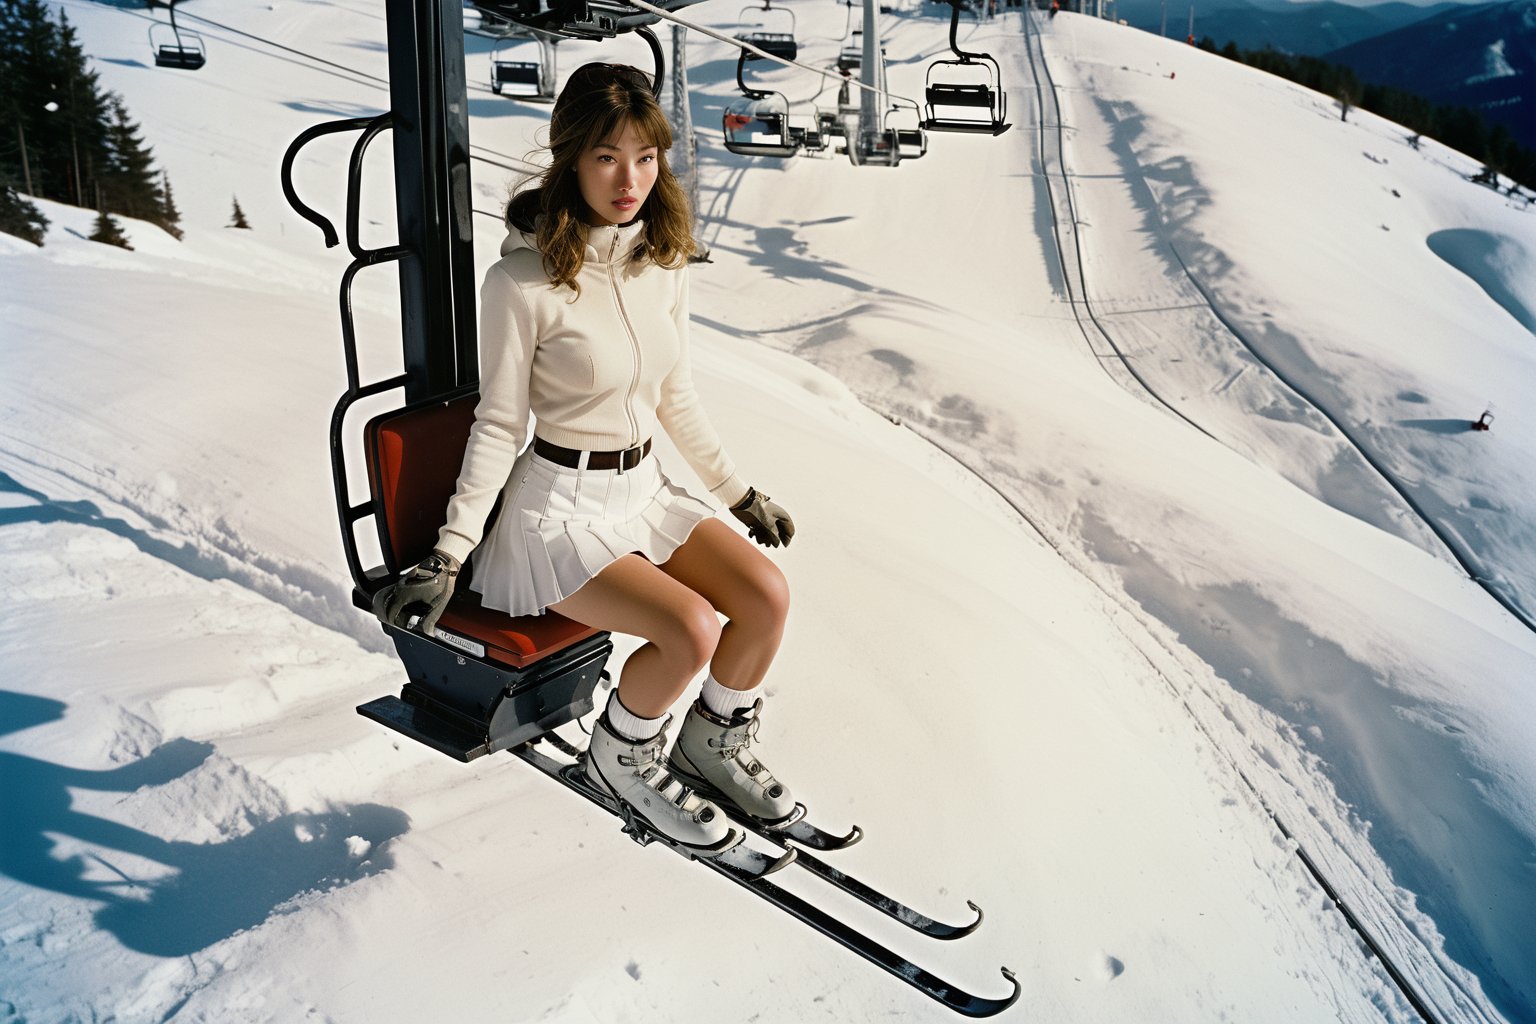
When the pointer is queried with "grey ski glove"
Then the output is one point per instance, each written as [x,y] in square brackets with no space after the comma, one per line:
[430,583]
[764,518]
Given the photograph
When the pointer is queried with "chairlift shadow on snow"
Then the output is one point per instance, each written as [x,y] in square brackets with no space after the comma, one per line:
[332,108]
[214,890]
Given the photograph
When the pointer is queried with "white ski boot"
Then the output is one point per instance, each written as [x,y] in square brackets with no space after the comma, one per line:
[714,754]
[634,773]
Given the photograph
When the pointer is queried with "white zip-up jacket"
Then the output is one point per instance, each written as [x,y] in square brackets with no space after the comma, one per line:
[598,373]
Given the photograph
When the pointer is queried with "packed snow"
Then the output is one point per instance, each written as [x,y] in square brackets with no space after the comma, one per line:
[1103,669]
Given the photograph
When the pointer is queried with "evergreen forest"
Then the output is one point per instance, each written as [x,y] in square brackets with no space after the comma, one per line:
[65,138]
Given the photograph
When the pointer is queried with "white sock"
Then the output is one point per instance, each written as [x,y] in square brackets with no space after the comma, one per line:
[723,700]
[629,725]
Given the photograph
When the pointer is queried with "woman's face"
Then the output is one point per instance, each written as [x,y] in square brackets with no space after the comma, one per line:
[616,175]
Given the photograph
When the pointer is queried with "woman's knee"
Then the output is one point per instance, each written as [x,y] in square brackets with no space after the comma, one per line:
[693,632]
[769,593]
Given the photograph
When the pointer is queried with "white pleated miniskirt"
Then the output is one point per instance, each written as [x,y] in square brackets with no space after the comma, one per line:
[559,527]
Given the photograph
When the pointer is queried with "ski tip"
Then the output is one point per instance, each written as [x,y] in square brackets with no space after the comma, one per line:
[779,865]
[1017,988]
[962,932]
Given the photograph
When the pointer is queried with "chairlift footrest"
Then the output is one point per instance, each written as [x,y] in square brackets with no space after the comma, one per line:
[421,725]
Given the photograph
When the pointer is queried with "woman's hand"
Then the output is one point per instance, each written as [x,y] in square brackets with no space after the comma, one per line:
[765,519]
[430,583]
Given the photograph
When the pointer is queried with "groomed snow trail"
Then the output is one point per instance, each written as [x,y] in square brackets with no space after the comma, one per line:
[1083,710]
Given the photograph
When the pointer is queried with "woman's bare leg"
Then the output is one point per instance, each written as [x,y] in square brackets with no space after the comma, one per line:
[728,572]
[635,597]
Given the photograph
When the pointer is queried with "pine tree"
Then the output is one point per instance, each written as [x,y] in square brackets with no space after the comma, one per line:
[19,217]
[128,181]
[52,98]
[108,230]
[237,217]
[170,216]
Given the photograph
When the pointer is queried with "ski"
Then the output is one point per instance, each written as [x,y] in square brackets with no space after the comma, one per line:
[800,831]
[809,836]
[860,891]
[750,868]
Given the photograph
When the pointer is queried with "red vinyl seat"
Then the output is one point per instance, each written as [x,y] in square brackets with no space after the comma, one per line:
[414,456]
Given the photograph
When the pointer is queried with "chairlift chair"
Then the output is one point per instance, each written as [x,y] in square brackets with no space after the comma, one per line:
[756,123]
[977,107]
[518,75]
[523,79]
[485,681]
[878,147]
[779,40]
[851,56]
[177,48]
[913,141]
[759,126]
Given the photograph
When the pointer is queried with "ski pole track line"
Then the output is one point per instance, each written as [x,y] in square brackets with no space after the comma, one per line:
[1077,296]
[1453,547]
[1036,55]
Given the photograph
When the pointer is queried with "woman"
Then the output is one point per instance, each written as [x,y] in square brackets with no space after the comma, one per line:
[584,322]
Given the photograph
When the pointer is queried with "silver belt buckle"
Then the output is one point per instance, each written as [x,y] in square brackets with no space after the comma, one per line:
[624,458]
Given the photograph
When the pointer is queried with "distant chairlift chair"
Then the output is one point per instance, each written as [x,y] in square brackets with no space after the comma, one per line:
[757,122]
[175,48]
[977,107]
[779,40]
[525,79]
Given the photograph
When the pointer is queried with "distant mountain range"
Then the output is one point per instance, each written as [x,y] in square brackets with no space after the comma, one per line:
[1482,57]
[1479,55]
[1299,28]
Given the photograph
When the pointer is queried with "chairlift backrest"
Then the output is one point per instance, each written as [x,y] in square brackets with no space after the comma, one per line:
[414,456]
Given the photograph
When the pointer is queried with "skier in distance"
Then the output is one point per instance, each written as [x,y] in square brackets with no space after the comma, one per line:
[584,322]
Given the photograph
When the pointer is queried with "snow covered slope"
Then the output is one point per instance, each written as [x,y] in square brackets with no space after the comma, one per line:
[1074,669]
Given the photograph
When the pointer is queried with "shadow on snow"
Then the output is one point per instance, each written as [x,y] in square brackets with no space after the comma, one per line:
[214,890]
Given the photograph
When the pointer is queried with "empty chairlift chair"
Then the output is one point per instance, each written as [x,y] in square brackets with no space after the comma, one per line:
[521,79]
[177,48]
[770,29]
[965,94]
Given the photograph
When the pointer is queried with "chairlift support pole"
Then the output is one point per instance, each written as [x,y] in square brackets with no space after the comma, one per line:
[428,95]
[870,102]
[684,156]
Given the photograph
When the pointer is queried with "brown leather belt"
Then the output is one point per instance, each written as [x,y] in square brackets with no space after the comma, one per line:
[570,458]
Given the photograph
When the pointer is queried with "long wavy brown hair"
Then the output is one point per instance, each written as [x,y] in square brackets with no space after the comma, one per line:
[596,103]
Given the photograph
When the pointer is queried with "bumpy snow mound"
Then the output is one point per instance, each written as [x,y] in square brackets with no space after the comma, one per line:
[1500,265]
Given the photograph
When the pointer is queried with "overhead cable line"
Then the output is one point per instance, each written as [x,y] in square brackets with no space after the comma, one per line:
[527,168]
[764,54]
